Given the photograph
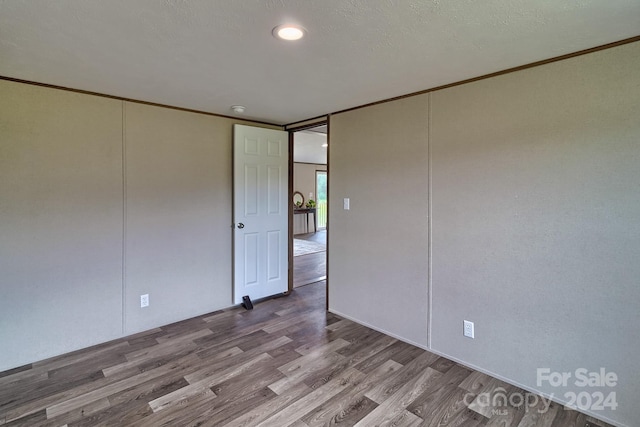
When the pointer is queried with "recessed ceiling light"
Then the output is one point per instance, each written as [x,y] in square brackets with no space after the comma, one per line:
[288,32]
[238,109]
[325,145]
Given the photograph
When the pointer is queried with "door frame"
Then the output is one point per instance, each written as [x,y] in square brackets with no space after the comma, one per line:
[290,213]
[292,128]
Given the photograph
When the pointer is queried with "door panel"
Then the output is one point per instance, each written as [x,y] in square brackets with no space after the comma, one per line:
[274,186]
[274,241]
[251,260]
[250,190]
[261,159]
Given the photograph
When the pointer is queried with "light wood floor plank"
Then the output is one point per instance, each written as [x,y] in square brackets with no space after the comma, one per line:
[211,371]
[91,396]
[222,415]
[451,410]
[199,379]
[31,406]
[181,397]
[297,374]
[533,418]
[395,405]
[408,373]
[350,359]
[78,414]
[301,407]
[438,393]
[262,412]
[349,406]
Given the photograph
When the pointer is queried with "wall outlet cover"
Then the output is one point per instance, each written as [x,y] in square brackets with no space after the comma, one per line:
[468,329]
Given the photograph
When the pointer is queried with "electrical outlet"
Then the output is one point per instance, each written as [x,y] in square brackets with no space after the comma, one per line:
[144,300]
[468,329]
[346,204]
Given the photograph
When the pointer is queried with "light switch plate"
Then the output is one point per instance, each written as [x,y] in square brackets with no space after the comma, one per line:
[346,203]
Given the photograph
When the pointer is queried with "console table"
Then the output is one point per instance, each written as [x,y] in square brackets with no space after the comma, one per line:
[307,211]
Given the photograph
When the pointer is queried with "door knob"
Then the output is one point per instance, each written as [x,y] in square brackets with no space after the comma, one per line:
[240,225]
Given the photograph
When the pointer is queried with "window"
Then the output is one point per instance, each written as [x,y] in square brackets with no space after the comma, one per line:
[321,195]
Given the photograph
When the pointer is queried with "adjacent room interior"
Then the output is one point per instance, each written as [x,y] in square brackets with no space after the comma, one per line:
[311,206]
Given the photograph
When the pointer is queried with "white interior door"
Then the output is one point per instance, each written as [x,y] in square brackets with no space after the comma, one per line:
[260,206]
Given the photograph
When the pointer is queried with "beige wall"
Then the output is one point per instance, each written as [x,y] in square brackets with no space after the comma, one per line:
[60,222]
[534,222]
[378,250]
[304,181]
[101,201]
[179,198]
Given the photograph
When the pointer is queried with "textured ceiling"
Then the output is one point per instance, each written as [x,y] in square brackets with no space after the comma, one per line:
[308,147]
[210,54]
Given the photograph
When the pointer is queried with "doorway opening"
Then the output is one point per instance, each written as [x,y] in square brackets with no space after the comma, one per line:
[310,201]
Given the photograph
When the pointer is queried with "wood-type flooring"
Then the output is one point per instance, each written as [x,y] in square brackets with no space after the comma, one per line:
[310,268]
[286,363]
